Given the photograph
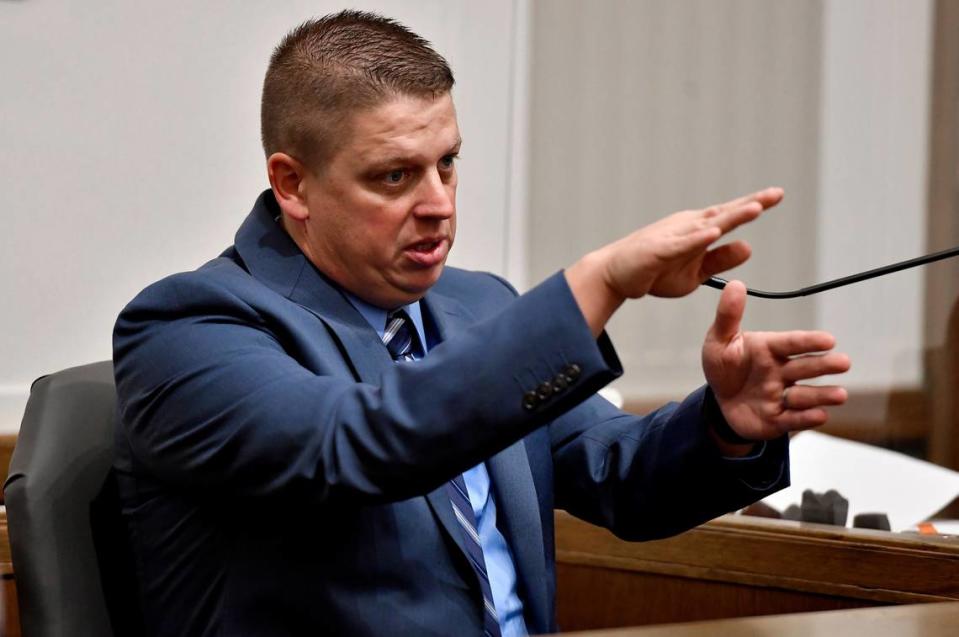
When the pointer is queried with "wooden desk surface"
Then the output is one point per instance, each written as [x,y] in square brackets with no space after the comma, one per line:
[925,620]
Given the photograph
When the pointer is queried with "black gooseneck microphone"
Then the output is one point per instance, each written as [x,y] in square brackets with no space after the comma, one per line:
[719,283]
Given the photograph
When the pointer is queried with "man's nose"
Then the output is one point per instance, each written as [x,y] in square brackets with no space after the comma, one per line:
[437,197]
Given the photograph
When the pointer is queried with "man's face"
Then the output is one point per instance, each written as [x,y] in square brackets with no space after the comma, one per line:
[382,213]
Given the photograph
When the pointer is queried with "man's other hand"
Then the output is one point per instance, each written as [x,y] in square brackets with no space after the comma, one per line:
[668,258]
[754,374]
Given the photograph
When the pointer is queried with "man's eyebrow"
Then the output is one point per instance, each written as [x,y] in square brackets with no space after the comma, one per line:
[401,158]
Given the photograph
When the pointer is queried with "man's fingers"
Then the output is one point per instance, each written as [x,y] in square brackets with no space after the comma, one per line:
[815,365]
[693,243]
[807,397]
[797,420]
[729,219]
[732,214]
[729,311]
[728,216]
[767,197]
[725,257]
[806,407]
[785,344]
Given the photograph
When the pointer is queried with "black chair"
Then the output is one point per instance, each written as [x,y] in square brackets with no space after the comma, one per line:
[70,556]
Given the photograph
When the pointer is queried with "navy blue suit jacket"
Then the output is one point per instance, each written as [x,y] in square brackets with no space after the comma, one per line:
[280,475]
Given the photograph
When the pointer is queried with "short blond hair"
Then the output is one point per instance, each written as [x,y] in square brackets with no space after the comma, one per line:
[329,68]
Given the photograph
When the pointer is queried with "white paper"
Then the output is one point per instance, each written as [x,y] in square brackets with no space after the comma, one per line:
[946,527]
[874,480]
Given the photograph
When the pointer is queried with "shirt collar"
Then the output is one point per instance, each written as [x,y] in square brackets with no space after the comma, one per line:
[376,316]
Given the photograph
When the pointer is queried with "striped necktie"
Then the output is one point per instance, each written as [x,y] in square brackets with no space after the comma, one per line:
[402,342]
[400,337]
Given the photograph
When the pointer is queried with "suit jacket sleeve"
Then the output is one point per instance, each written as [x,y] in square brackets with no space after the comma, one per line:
[656,475]
[211,397]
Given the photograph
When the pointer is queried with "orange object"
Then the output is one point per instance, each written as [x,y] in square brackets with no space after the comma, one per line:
[926,528]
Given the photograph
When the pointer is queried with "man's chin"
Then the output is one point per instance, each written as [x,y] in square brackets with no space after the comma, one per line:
[415,286]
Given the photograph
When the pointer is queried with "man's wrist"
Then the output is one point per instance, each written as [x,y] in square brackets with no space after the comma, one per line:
[729,442]
[596,300]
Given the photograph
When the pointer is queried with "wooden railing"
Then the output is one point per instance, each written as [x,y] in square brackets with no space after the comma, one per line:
[737,566]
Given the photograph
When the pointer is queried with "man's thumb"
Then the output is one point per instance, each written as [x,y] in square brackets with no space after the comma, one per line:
[729,312]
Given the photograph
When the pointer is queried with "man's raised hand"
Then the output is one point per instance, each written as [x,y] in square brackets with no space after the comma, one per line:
[754,375]
[670,257]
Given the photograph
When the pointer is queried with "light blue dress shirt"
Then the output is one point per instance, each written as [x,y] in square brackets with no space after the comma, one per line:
[496,553]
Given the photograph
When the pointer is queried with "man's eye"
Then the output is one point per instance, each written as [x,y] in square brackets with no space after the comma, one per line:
[448,161]
[395,176]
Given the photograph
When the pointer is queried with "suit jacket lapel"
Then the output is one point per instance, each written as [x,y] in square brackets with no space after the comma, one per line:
[447,316]
[517,515]
[365,352]
[511,481]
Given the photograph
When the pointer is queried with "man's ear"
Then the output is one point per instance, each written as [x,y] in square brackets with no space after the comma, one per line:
[287,178]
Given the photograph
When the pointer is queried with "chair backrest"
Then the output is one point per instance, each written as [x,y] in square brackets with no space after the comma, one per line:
[58,474]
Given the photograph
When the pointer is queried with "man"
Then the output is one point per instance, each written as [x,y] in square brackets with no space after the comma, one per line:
[325,431]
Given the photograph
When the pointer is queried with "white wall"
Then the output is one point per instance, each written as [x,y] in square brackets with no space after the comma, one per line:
[873,180]
[643,108]
[129,150]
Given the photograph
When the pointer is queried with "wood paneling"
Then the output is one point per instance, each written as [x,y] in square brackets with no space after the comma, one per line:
[7,443]
[616,598]
[928,620]
[942,281]
[9,610]
[737,566]
[943,382]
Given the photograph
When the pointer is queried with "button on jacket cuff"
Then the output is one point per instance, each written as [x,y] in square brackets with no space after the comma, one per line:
[575,365]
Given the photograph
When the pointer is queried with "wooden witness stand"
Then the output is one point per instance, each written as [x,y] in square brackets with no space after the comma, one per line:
[928,620]
[737,566]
